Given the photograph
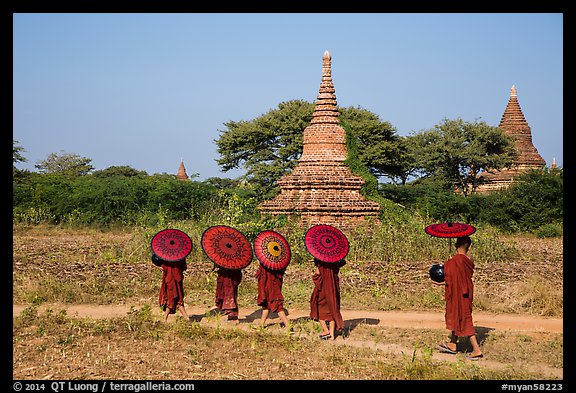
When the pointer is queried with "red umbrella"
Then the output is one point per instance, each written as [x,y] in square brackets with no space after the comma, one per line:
[272,250]
[450,229]
[227,247]
[171,244]
[326,243]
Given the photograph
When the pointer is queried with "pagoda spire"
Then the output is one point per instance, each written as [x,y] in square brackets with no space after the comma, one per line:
[326,109]
[182,175]
[513,113]
[325,139]
[514,125]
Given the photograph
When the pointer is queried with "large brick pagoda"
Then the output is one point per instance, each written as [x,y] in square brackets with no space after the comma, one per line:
[515,125]
[321,189]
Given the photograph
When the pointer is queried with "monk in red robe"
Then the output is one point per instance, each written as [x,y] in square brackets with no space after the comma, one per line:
[227,284]
[325,299]
[172,289]
[459,294]
[270,296]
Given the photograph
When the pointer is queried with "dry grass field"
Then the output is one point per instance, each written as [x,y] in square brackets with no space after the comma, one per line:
[85,308]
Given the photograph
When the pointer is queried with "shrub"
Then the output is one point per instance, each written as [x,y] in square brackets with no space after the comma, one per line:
[549,230]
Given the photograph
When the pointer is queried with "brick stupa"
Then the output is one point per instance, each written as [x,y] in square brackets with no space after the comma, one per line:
[182,175]
[321,189]
[515,125]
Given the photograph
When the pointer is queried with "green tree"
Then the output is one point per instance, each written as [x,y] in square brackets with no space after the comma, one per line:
[269,146]
[266,147]
[379,147]
[17,157]
[534,200]
[17,152]
[222,183]
[65,163]
[123,170]
[406,160]
[460,151]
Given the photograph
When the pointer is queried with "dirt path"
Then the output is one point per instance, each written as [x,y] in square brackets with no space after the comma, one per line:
[399,319]
[352,318]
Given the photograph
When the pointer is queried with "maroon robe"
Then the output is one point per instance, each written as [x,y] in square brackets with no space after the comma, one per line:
[270,289]
[325,299]
[227,291]
[459,294]
[172,288]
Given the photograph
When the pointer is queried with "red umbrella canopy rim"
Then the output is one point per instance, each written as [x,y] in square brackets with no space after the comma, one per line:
[450,229]
[319,239]
[227,247]
[267,257]
[171,244]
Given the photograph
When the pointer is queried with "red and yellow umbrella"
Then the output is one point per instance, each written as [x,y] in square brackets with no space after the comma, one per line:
[272,250]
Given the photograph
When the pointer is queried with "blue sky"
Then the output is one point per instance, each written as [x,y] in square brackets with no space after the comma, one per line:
[147,90]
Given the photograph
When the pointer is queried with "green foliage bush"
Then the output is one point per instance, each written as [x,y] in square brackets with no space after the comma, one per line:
[549,230]
[534,200]
[110,200]
[131,198]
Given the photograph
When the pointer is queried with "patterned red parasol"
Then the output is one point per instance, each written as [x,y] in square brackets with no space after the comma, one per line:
[450,229]
[227,247]
[171,244]
[272,250]
[326,243]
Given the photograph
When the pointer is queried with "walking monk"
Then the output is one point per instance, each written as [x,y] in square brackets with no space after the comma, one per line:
[459,294]
[171,295]
[227,284]
[270,296]
[325,299]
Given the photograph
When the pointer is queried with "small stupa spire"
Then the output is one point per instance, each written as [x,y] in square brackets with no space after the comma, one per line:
[513,113]
[513,91]
[514,124]
[326,109]
[182,175]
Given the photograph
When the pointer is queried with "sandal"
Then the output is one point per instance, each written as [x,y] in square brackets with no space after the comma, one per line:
[444,348]
[324,336]
[470,357]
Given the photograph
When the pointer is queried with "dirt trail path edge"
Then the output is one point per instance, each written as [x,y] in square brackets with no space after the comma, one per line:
[397,319]
[352,318]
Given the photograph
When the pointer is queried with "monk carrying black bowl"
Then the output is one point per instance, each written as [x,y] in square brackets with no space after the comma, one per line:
[459,294]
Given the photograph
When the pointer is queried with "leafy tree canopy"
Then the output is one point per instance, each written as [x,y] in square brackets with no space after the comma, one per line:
[66,164]
[269,146]
[459,151]
[123,170]
[17,152]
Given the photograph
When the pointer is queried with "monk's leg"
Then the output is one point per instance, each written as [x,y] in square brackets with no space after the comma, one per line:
[166,312]
[333,329]
[453,344]
[475,347]
[324,328]
[183,311]
[265,313]
[232,315]
[283,317]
